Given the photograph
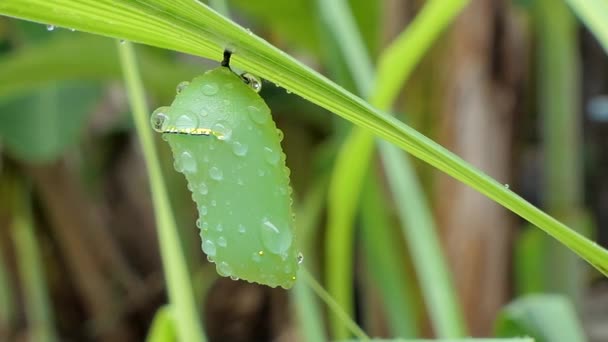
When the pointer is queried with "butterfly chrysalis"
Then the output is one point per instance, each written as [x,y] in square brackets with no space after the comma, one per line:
[225,142]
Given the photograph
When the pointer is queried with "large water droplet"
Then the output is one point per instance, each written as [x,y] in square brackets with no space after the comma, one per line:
[276,236]
[188,162]
[222,131]
[239,149]
[210,89]
[181,87]
[221,241]
[216,173]
[159,119]
[271,156]
[257,115]
[224,269]
[209,248]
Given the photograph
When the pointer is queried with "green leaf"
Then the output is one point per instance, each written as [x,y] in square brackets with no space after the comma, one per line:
[39,127]
[162,328]
[547,318]
[191,27]
[594,14]
[84,57]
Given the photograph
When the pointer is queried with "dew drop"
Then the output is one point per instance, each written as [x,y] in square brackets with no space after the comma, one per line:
[257,114]
[209,248]
[203,188]
[239,149]
[205,226]
[210,89]
[507,186]
[221,241]
[222,131]
[224,269]
[271,156]
[242,229]
[261,172]
[216,173]
[280,135]
[213,203]
[203,210]
[50,27]
[181,87]
[122,41]
[188,162]
[235,278]
[159,119]
[178,166]
[73,30]
[300,258]
[257,256]
[187,122]
[252,81]
[219,227]
[275,236]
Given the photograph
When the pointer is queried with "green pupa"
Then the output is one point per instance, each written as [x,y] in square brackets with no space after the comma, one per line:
[226,143]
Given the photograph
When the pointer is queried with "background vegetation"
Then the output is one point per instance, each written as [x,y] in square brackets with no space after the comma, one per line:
[91,210]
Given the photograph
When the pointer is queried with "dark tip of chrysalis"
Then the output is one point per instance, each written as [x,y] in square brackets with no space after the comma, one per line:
[226,60]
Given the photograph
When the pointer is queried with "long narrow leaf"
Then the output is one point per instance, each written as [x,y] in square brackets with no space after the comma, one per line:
[191,27]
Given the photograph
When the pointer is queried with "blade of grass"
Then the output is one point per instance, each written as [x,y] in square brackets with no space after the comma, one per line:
[385,262]
[84,57]
[594,14]
[310,317]
[415,216]
[190,27]
[559,85]
[179,285]
[333,305]
[7,296]
[35,290]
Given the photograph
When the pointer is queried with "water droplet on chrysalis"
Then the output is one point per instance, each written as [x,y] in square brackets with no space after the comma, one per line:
[300,258]
[257,115]
[181,87]
[277,237]
[210,89]
[209,248]
[239,149]
[159,119]
[216,173]
[252,81]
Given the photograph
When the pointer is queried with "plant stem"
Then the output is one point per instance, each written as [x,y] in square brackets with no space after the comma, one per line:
[415,216]
[37,301]
[333,305]
[179,285]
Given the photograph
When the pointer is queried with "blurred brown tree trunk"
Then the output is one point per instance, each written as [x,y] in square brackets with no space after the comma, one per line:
[484,65]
